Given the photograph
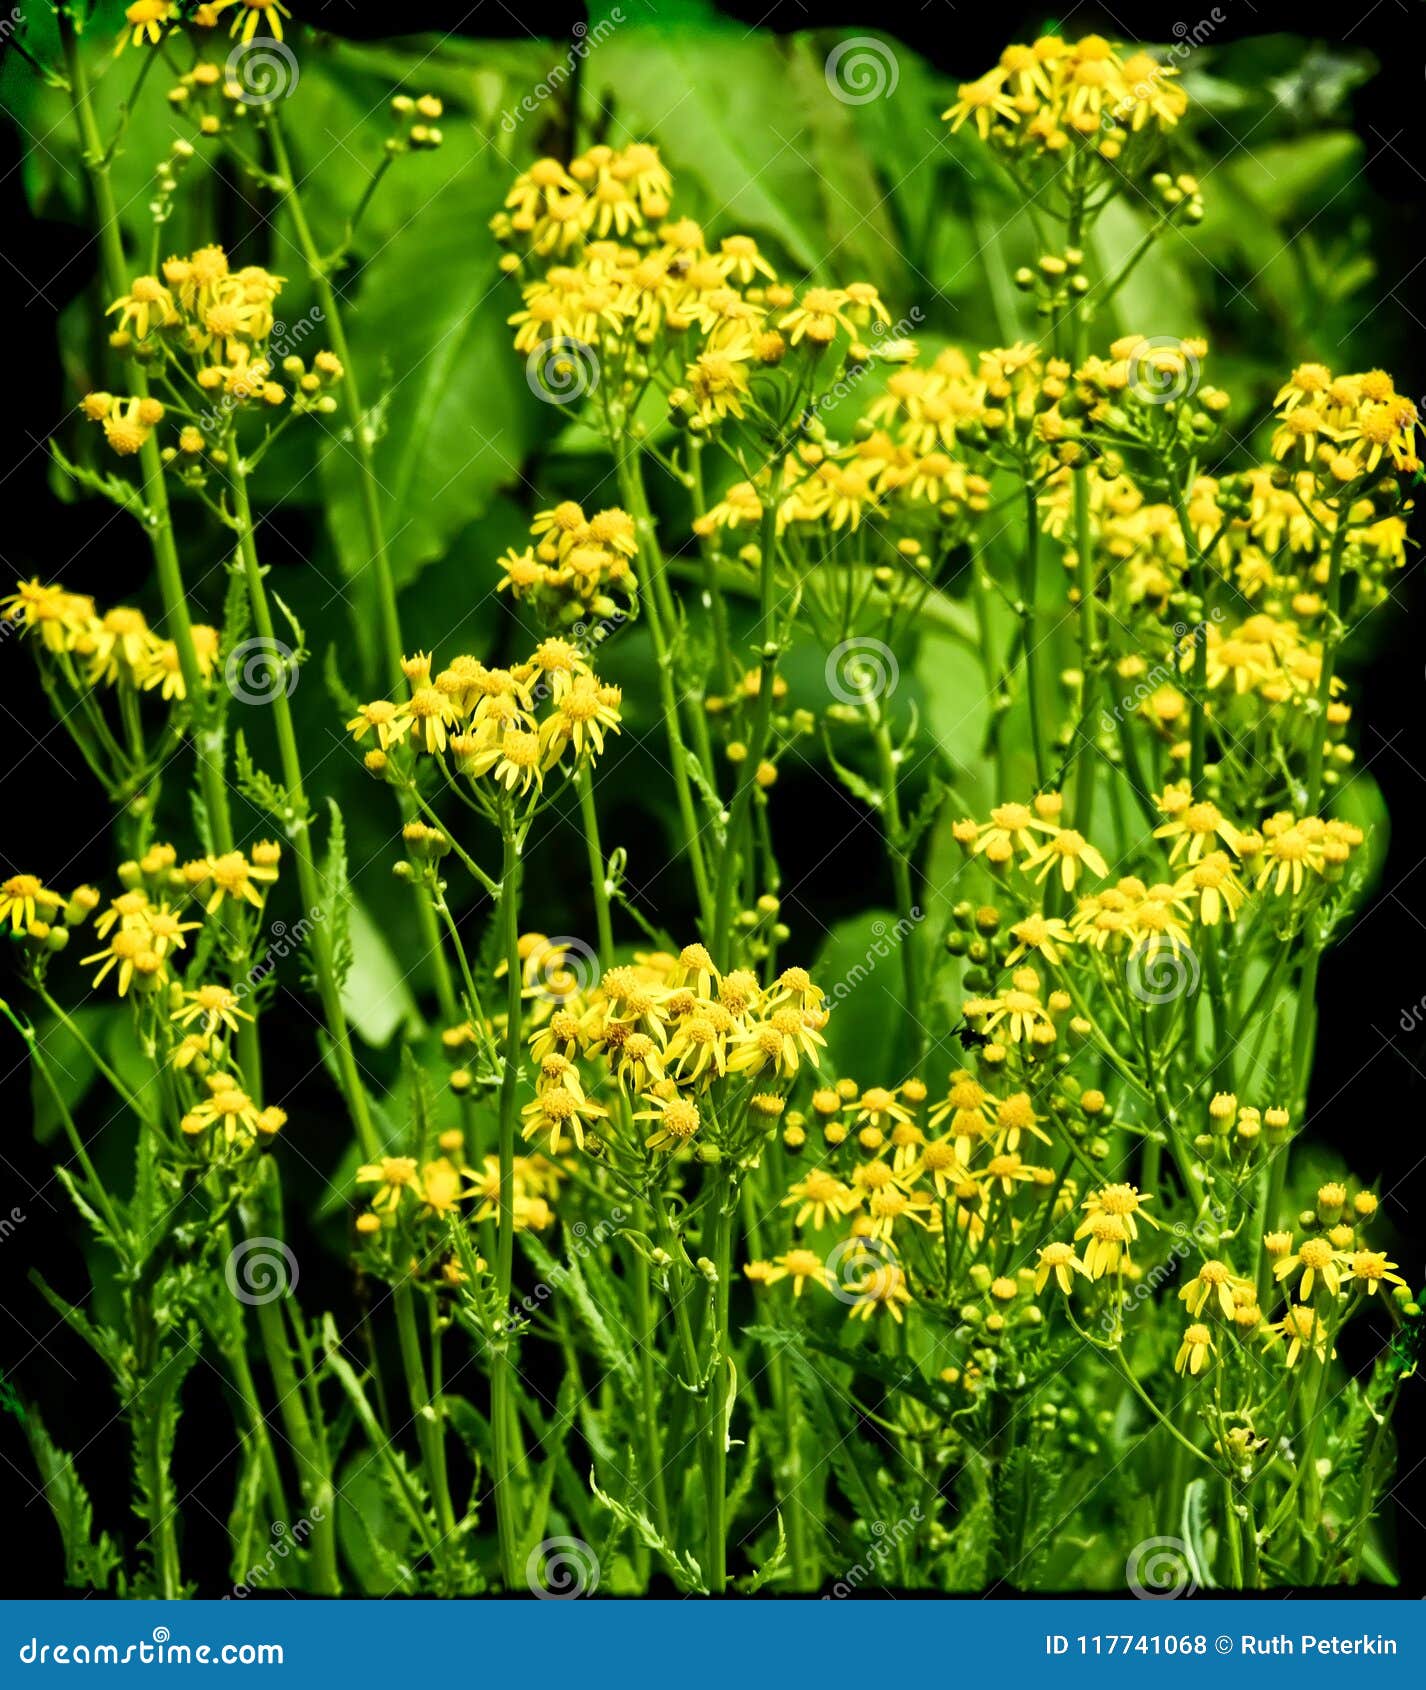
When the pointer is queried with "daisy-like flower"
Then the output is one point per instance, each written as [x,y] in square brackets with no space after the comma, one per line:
[820,314]
[558,1110]
[1046,936]
[1108,1236]
[382,718]
[883,1288]
[1304,1331]
[677,1120]
[820,1197]
[581,717]
[1011,828]
[23,897]
[1006,1170]
[233,876]
[147,305]
[1065,853]
[1015,1013]
[969,1109]
[940,1163]
[1061,1261]
[1125,1201]
[1195,1352]
[392,1176]
[1014,1117]
[214,1006]
[442,1187]
[1193,827]
[984,100]
[513,757]
[1371,1268]
[255,15]
[1314,1258]
[131,954]
[879,1107]
[779,1043]
[227,1109]
[147,20]
[1215,1281]
[1213,881]
[802,1267]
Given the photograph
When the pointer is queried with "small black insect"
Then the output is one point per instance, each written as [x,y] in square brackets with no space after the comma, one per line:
[970,1039]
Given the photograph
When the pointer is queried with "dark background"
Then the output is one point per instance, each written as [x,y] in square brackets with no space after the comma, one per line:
[1368,1080]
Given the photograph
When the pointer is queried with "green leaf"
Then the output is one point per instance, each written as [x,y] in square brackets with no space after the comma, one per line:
[450,412]
[89,1562]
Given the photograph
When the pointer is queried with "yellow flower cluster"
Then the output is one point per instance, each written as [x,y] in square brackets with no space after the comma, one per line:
[487,719]
[1318,1273]
[578,566]
[1052,95]
[227,1117]
[113,647]
[1346,425]
[667,1029]
[143,931]
[436,1189]
[1031,837]
[218,321]
[151,21]
[909,1178]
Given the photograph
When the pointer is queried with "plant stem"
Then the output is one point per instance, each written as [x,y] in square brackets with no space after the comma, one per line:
[598,874]
[1029,586]
[502,1381]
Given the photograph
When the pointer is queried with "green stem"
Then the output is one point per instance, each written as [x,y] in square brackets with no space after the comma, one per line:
[502,1379]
